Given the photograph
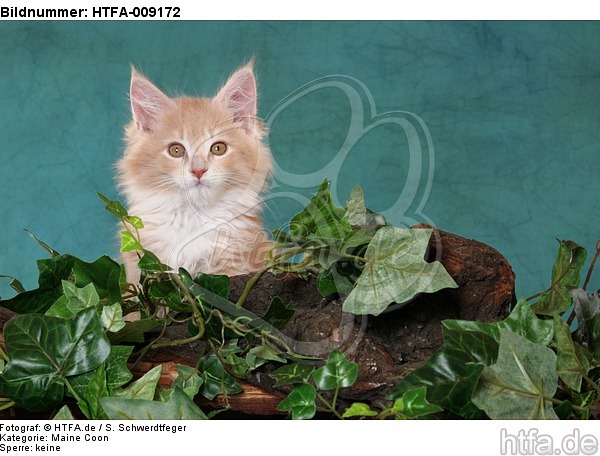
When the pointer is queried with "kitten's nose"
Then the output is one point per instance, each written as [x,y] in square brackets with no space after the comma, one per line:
[198,173]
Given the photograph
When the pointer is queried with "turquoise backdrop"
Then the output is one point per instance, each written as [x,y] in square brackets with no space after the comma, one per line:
[486,129]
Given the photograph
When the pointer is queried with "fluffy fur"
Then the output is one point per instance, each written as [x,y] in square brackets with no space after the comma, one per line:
[200,210]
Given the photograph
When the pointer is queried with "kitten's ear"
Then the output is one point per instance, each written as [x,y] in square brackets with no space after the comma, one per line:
[147,102]
[238,96]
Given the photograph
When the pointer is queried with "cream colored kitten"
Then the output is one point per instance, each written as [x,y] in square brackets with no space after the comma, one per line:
[193,170]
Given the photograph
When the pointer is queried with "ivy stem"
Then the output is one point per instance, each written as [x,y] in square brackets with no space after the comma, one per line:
[591,383]
[251,283]
[8,405]
[330,405]
[3,355]
[592,265]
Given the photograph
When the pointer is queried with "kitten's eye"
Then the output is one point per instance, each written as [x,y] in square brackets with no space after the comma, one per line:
[218,148]
[176,150]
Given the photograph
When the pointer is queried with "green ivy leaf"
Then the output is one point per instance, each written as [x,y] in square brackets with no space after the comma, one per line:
[95,390]
[178,407]
[112,318]
[267,353]
[144,387]
[301,402]
[217,284]
[520,383]
[44,350]
[150,263]
[565,277]
[129,242]
[45,246]
[358,215]
[117,372]
[188,380]
[52,272]
[414,404]
[278,313]
[215,379]
[587,309]
[292,373]
[113,206]
[104,273]
[134,331]
[134,221]
[359,409]
[73,300]
[521,321]
[396,271]
[237,366]
[337,372]
[168,292]
[14,283]
[321,217]
[573,361]
[64,414]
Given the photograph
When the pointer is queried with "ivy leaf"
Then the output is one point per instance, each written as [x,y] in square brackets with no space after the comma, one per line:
[42,244]
[129,242]
[450,376]
[95,390]
[587,309]
[267,353]
[134,331]
[301,402]
[414,404]
[292,373]
[73,300]
[396,271]
[237,366]
[113,206]
[134,221]
[215,379]
[52,272]
[278,313]
[321,217]
[112,318]
[168,292]
[178,407]
[565,277]
[14,283]
[520,383]
[359,409]
[64,414]
[144,387]
[521,321]
[337,372]
[117,373]
[150,263]
[188,380]
[104,273]
[44,350]
[217,284]
[358,215]
[573,361]
[338,278]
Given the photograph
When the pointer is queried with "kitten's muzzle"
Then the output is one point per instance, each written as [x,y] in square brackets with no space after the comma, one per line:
[198,173]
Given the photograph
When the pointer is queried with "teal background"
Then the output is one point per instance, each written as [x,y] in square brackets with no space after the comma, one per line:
[512,109]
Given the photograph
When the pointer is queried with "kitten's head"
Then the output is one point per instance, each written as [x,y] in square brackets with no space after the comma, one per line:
[202,149]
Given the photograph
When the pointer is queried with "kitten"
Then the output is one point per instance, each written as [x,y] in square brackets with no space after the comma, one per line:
[193,170]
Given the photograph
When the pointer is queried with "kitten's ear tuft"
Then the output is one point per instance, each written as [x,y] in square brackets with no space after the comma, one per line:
[147,102]
[239,97]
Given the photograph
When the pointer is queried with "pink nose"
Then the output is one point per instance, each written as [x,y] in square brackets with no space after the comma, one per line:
[198,173]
